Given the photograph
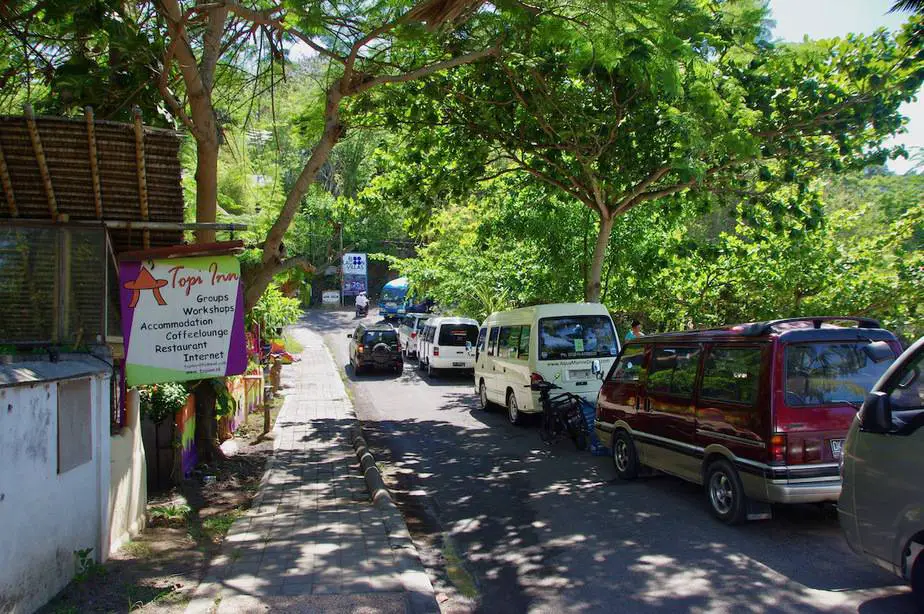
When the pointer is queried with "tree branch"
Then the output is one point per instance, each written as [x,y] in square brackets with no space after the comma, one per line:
[420,72]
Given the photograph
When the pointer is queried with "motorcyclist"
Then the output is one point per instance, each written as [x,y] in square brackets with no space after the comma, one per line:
[362,303]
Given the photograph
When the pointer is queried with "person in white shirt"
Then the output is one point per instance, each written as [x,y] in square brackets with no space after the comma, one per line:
[362,303]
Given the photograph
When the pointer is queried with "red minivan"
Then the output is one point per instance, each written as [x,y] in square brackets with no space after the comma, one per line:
[757,413]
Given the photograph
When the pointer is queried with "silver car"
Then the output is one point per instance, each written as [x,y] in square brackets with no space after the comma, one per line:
[881,506]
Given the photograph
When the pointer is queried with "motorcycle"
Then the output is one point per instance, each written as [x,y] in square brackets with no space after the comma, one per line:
[362,311]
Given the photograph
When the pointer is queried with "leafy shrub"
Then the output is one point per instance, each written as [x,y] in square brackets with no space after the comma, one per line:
[274,310]
[162,401]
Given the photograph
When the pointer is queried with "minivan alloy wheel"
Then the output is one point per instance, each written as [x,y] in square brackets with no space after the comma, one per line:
[621,455]
[721,492]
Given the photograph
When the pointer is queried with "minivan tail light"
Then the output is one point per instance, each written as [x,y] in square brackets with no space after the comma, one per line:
[778,448]
[535,378]
[436,351]
[414,335]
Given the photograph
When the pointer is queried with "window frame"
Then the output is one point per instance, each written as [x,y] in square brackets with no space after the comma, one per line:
[698,348]
[758,376]
[643,368]
[493,335]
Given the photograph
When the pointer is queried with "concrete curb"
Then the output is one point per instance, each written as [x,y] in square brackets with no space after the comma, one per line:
[416,582]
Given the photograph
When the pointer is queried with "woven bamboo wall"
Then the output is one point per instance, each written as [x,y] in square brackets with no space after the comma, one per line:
[66,145]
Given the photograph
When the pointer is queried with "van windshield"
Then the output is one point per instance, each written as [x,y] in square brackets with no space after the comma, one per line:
[826,373]
[577,337]
[458,334]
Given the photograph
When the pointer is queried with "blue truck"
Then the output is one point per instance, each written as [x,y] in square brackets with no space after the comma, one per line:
[393,302]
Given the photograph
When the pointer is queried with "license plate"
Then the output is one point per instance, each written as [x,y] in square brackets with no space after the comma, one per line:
[458,364]
[580,374]
[837,445]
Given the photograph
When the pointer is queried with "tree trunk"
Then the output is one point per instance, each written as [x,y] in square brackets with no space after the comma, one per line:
[206,188]
[592,289]
[206,424]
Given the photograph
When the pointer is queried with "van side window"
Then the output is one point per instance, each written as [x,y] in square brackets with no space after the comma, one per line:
[492,341]
[629,367]
[508,342]
[909,389]
[482,338]
[731,375]
[523,351]
[673,370]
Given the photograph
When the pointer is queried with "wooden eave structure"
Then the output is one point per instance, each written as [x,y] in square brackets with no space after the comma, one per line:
[126,177]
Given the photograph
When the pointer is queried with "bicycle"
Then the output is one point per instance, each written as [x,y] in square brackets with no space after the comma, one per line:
[561,415]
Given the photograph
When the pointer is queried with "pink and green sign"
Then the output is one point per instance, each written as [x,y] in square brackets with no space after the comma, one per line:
[182,318]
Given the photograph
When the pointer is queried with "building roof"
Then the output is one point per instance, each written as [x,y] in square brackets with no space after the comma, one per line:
[56,149]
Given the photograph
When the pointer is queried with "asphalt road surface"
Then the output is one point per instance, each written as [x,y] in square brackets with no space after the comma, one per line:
[507,524]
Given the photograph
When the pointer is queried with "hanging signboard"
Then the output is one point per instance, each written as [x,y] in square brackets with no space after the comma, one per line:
[355,267]
[354,264]
[182,318]
[330,297]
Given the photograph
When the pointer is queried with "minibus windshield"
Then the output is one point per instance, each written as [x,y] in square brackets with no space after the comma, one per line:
[828,373]
[577,337]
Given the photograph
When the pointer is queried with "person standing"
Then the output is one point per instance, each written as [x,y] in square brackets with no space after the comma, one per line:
[635,332]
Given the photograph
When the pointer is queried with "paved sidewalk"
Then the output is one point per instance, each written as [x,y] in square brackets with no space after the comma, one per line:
[313,541]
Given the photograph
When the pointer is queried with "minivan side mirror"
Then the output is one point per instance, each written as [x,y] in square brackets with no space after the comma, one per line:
[876,413]
[596,369]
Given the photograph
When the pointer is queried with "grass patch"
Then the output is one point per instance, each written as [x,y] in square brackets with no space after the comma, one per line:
[138,550]
[214,528]
[460,578]
[292,345]
[140,595]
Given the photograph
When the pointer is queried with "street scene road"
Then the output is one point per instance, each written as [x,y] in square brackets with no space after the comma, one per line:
[505,523]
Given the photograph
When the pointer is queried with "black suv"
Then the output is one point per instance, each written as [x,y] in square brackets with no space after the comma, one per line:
[375,346]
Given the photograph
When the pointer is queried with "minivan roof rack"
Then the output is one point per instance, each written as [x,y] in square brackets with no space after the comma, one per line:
[762,328]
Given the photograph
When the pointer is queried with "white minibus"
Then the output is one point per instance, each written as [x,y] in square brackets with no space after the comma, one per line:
[447,343]
[555,342]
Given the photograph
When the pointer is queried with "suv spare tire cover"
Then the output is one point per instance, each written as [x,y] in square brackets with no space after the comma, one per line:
[380,353]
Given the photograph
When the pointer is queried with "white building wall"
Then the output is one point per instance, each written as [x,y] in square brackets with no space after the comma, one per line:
[45,517]
[128,485]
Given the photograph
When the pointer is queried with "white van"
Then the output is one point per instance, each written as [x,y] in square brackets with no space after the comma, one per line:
[409,329]
[556,342]
[447,343]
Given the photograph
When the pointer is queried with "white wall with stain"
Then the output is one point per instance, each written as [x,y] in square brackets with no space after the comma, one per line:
[46,516]
[128,481]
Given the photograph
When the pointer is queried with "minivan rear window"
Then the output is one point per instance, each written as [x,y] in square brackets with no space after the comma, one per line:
[827,373]
[458,334]
[373,337]
[577,337]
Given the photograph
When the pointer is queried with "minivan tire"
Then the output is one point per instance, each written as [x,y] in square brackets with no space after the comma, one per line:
[483,401]
[431,372]
[514,415]
[625,456]
[917,582]
[725,493]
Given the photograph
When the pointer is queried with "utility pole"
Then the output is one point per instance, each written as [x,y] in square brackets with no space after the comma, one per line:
[341,262]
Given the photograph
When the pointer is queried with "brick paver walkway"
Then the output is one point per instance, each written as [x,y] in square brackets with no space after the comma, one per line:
[313,541]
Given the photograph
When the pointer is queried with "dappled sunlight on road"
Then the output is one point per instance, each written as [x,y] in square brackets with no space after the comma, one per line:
[548,528]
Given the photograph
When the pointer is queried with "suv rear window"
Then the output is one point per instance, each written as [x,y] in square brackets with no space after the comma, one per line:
[577,337]
[825,373]
[373,337]
[458,334]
